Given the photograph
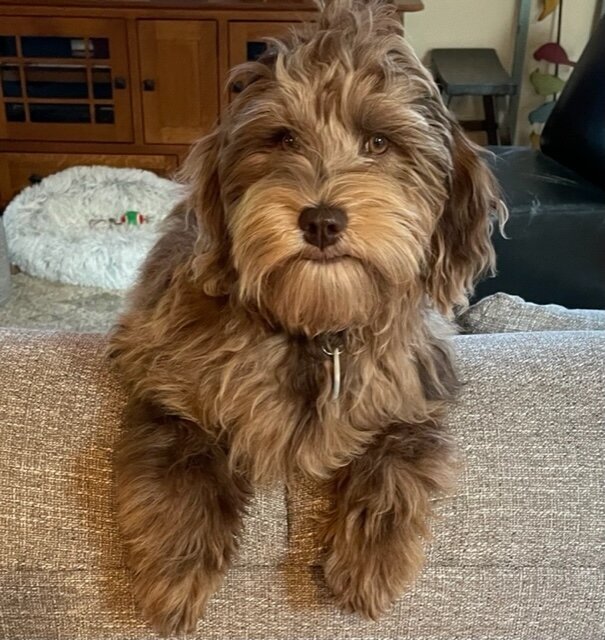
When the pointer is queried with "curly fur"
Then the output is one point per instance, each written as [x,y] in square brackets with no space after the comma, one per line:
[222,340]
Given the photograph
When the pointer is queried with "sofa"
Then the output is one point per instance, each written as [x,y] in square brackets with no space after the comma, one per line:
[518,548]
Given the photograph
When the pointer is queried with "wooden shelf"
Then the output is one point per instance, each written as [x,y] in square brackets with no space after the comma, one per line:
[231,5]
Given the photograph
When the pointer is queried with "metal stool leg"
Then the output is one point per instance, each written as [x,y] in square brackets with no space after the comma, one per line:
[505,128]
[491,126]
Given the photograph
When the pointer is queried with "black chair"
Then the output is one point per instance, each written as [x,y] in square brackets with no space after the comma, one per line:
[556,197]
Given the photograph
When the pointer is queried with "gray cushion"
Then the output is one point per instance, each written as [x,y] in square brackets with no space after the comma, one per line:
[503,313]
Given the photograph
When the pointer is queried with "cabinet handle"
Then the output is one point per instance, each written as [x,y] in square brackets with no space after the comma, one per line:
[148,85]
[35,178]
[119,82]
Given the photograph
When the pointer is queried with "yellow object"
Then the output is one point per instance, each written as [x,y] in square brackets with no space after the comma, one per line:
[548,7]
[534,139]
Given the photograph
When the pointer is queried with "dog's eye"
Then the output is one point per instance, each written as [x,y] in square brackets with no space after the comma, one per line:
[376,145]
[288,141]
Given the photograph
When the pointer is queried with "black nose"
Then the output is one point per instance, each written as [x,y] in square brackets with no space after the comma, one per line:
[322,225]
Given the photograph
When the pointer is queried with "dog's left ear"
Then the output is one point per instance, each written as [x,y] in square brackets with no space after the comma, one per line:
[461,247]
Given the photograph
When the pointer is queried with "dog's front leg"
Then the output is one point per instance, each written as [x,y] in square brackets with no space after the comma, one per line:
[179,510]
[381,505]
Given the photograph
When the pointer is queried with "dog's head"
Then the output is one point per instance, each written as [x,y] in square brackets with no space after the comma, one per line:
[337,181]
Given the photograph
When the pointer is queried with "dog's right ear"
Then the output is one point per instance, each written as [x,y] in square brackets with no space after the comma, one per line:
[200,173]
[462,249]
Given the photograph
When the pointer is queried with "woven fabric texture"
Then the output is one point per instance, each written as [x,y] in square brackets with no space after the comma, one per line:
[503,313]
[518,548]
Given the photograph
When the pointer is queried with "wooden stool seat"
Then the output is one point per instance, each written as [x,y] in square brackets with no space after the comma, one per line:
[473,72]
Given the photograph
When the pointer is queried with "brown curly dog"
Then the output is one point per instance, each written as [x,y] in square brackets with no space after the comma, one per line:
[291,318]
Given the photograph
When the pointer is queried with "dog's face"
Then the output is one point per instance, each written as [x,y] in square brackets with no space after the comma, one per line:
[338,182]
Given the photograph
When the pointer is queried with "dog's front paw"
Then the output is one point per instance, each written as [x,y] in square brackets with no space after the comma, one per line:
[366,585]
[174,604]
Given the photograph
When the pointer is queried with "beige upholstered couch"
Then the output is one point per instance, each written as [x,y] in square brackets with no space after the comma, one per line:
[518,550]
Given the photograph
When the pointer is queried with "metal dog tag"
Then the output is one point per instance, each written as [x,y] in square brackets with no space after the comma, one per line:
[335,355]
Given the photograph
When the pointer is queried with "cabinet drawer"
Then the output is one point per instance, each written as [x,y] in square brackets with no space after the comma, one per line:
[20,170]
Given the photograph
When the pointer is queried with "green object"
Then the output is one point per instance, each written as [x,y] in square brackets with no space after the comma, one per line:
[546,84]
[132,217]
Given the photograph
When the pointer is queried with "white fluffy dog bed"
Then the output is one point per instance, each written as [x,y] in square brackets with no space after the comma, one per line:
[50,234]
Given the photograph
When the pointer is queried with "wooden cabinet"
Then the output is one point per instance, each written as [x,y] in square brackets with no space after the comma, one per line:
[64,79]
[122,82]
[179,79]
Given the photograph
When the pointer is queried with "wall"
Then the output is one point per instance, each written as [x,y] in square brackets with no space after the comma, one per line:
[492,23]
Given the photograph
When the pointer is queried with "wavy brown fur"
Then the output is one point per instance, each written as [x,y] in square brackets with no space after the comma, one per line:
[221,344]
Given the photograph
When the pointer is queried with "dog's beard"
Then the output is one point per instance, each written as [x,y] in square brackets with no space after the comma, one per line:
[378,259]
[313,297]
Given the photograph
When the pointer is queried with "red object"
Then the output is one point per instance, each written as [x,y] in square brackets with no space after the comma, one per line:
[553,52]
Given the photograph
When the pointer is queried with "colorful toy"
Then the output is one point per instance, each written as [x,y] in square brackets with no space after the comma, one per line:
[134,218]
[129,218]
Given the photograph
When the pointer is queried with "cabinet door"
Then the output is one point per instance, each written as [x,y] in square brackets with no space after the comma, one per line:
[246,40]
[179,79]
[64,79]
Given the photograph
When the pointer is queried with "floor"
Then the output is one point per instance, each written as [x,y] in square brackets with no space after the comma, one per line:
[40,304]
